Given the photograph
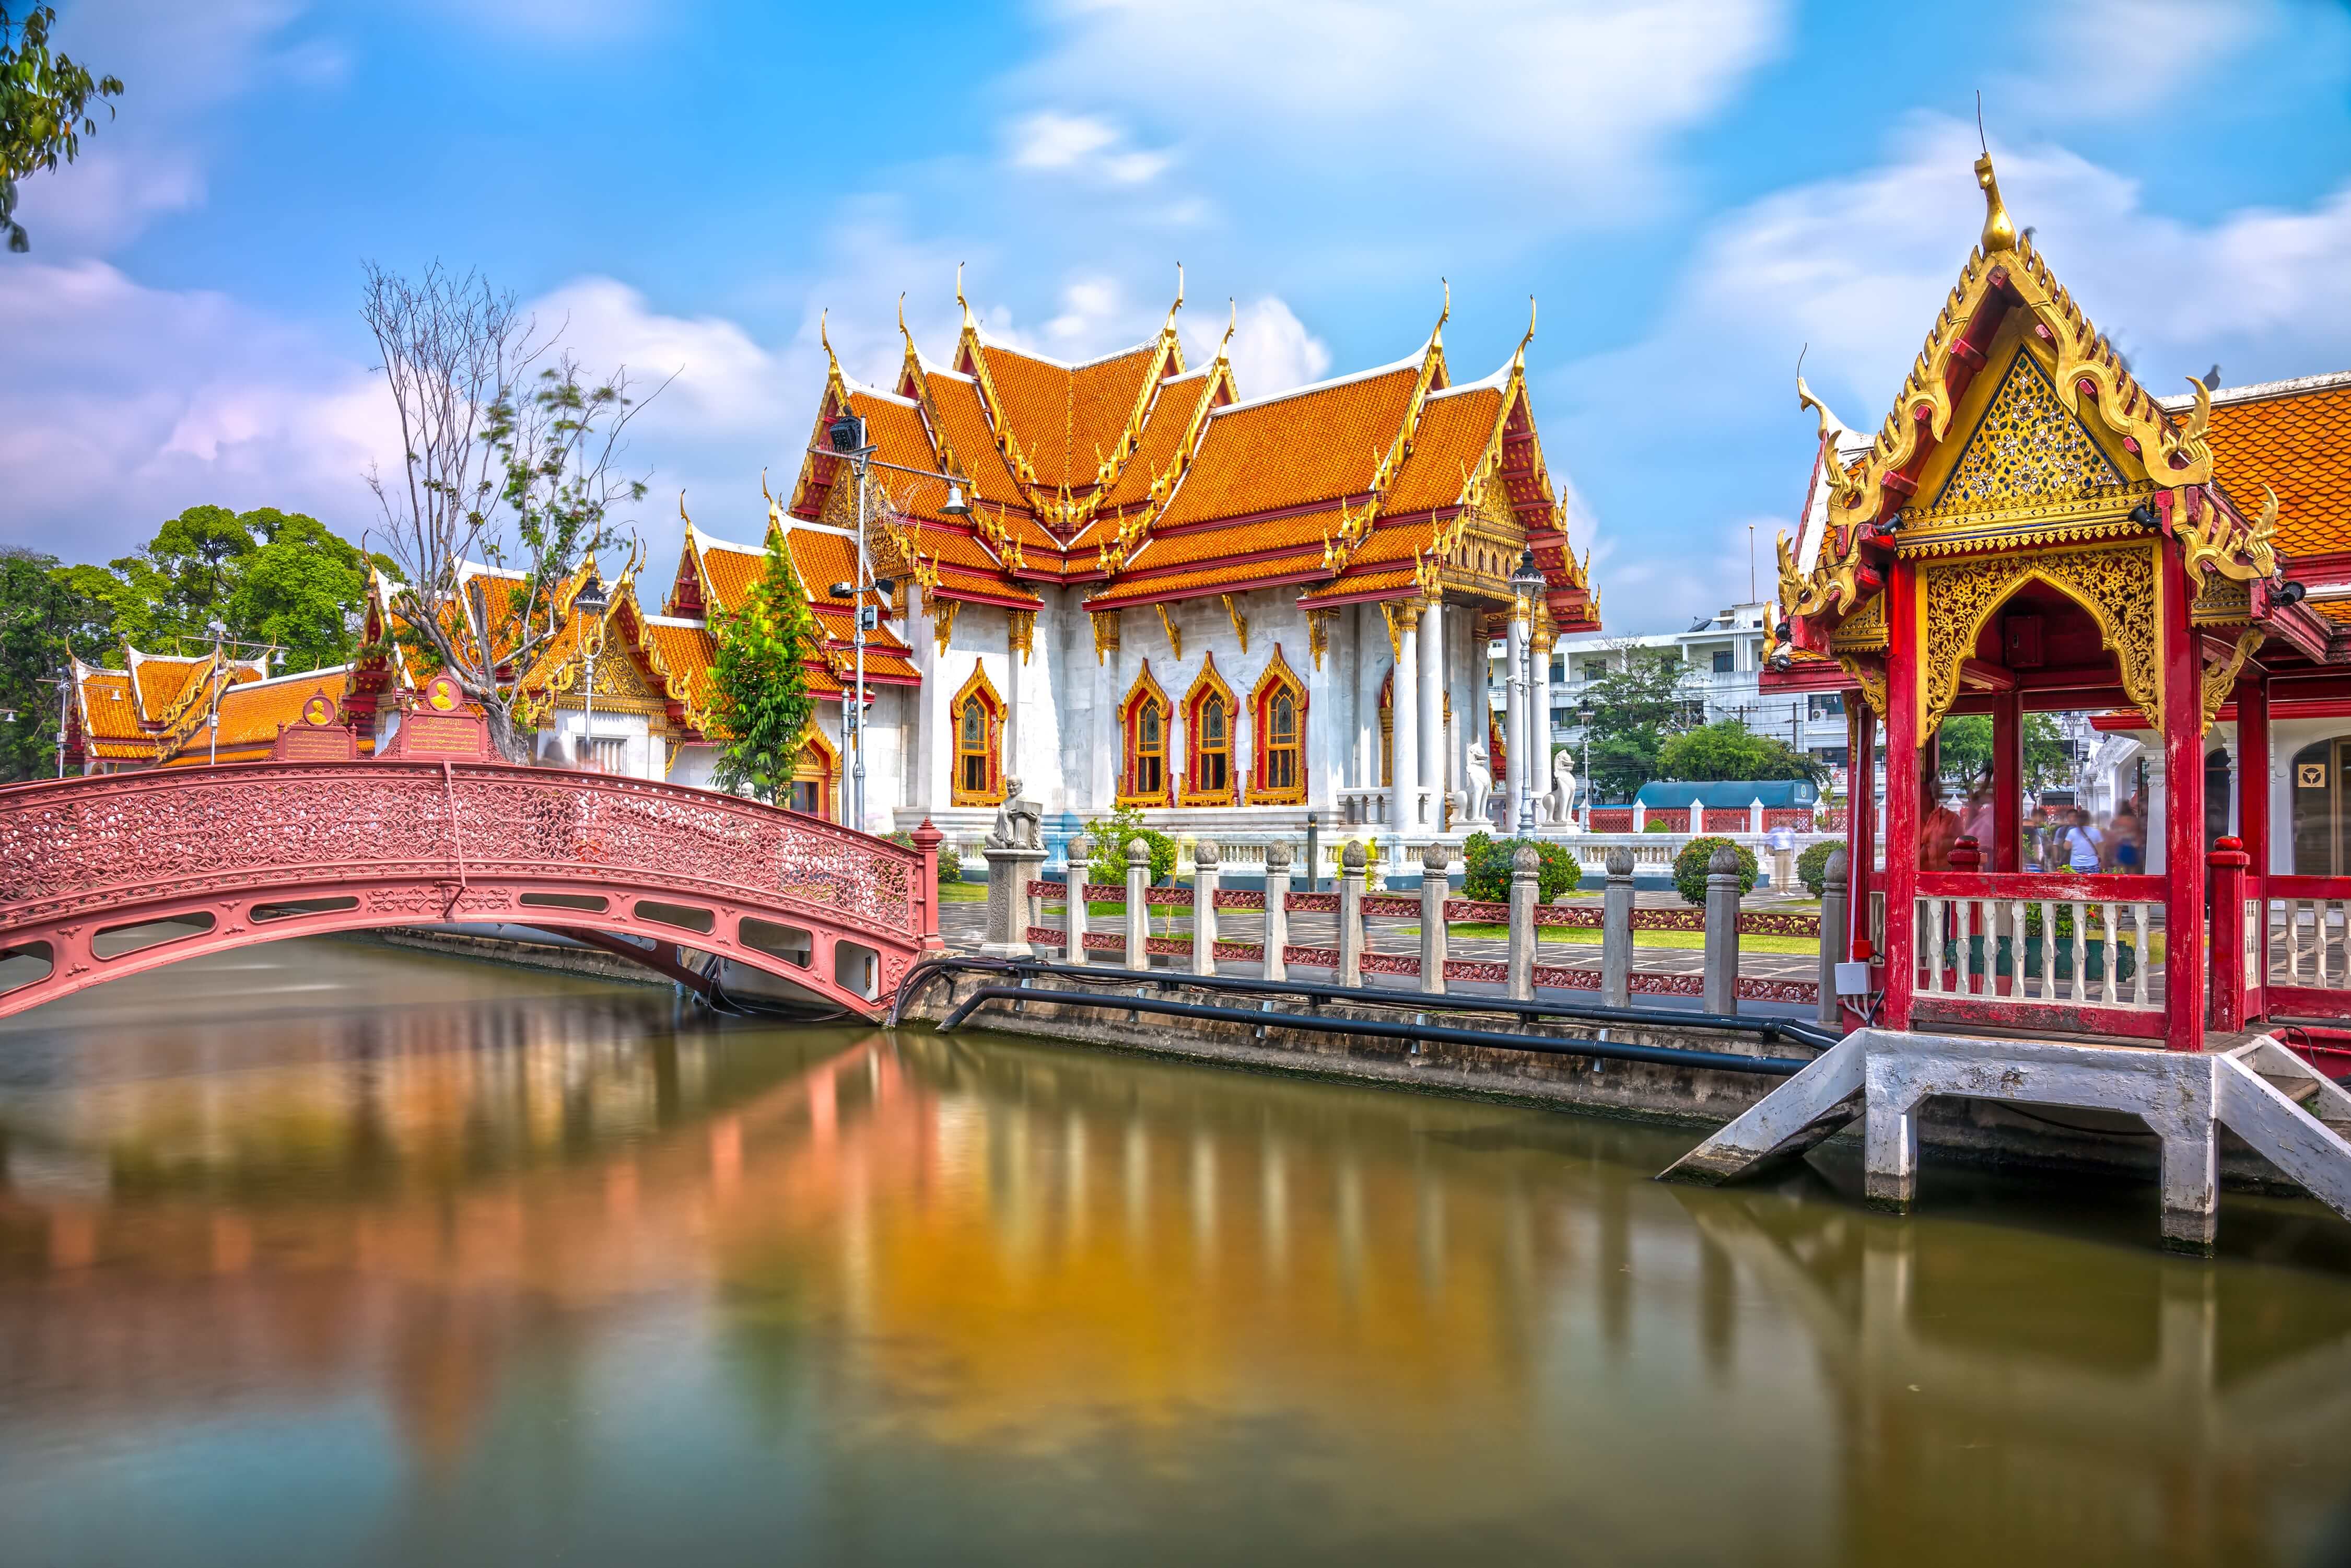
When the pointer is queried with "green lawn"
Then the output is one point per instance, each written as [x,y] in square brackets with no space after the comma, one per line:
[963,893]
[1591,938]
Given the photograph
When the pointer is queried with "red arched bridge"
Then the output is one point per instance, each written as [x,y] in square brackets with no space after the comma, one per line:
[102,877]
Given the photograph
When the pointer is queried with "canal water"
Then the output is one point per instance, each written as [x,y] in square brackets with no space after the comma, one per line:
[334,1253]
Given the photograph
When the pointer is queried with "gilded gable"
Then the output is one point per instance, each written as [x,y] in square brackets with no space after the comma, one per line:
[2028,446]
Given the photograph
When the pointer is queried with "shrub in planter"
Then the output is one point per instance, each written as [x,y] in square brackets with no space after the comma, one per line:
[1487,862]
[1813,867]
[1690,867]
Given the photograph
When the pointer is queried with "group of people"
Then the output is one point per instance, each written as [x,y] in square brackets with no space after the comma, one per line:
[2056,837]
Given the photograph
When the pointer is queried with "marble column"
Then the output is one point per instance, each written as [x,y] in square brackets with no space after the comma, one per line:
[929,711]
[1403,720]
[1432,713]
[1539,712]
[1514,707]
[1371,636]
[1108,745]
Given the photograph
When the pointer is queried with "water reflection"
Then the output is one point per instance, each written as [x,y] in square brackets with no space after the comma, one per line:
[452,1262]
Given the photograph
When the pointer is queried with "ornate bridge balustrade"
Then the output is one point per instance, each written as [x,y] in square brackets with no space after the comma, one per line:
[101,877]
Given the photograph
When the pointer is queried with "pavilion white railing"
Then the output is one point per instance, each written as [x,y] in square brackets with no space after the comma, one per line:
[2038,941]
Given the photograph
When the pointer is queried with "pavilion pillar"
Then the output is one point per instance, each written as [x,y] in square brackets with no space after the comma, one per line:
[2183,968]
[1369,637]
[2007,781]
[1404,727]
[1903,816]
[1860,819]
[2253,822]
[1539,713]
[1432,710]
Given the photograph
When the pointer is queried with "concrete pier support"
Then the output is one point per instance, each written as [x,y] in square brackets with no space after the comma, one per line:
[2256,1091]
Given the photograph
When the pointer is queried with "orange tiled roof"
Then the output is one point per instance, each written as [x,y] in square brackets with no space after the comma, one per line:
[689,652]
[1447,445]
[1314,445]
[108,711]
[2336,609]
[252,713]
[1163,435]
[2297,443]
[963,423]
[1066,418]
[1137,589]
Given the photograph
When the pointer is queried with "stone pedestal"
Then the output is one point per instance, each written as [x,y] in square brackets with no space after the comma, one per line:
[1009,873]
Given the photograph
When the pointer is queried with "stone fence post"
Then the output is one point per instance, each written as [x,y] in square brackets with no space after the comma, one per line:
[1696,817]
[1526,890]
[1433,886]
[1755,816]
[1640,816]
[1138,913]
[1206,863]
[1276,909]
[1834,936]
[1722,932]
[1350,914]
[1616,930]
[1074,899]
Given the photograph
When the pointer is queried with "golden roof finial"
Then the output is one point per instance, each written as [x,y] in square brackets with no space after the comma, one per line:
[1998,231]
[1437,333]
[1830,423]
[824,337]
[1519,360]
[960,299]
[1231,322]
[902,322]
[1179,297]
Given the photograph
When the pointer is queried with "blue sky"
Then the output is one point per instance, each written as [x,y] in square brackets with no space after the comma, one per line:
[1694,190]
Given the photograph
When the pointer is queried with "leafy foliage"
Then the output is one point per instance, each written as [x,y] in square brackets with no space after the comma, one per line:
[762,701]
[950,863]
[1112,833]
[1813,867]
[45,99]
[1488,861]
[1728,749]
[42,619]
[1964,746]
[1690,867]
[270,577]
[1634,710]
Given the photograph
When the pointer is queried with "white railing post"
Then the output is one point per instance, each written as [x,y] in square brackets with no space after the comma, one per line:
[1138,912]
[1350,914]
[1433,886]
[1205,860]
[1277,910]
[1074,899]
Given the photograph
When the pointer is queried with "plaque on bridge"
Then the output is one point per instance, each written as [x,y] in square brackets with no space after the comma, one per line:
[316,736]
[439,723]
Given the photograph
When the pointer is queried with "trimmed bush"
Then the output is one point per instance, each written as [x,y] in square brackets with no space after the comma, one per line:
[1112,833]
[1487,861]
[1813,867]
[1657,825]
[1690,867]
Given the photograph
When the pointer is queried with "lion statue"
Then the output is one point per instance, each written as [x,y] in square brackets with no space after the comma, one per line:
[1473,803]
[1561,802]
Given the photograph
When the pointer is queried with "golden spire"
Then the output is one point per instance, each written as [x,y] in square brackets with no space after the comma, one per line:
[1998,231]
[822,337]
[1519,360]
[1179,299]
[968,322]
[1437,333]
[1231,322]
[902,322]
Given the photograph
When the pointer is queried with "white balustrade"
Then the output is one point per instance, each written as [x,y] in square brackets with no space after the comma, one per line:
[2308,935]
[2037,951]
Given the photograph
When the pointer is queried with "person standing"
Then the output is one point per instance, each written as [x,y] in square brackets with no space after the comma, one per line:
[2085,846]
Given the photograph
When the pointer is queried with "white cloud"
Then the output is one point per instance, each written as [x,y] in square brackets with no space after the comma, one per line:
[2145,50]
[1272,351]
[1536,97]
[725,385]
[1082,144]
[126,405]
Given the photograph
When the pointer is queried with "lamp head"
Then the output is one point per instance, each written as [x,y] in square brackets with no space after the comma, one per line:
[846,432]
[1529,576]
[591,599]
[842,590]
[957,505]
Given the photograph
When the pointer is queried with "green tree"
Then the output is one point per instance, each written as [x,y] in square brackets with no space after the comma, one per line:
[1964,745]
[42,620]
[1634,709]
[45,99]
[1728,749]
[1691,867]
[762,699]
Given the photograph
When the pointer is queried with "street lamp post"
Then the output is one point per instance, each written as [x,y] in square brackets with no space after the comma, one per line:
[1583,716]
[1527,583]
[846,436]
[590,603]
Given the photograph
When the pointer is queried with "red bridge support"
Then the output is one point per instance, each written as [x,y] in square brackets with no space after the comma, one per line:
[103,877]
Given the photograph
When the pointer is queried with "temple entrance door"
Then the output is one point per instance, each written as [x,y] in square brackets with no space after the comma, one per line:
[2319,807]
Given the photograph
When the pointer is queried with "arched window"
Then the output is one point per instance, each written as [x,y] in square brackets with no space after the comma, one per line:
[976,717]
[814,773]
[1209,712]
[1278,708]
[1145,779]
